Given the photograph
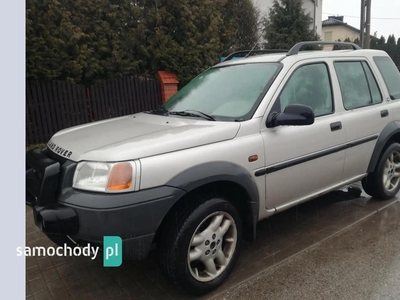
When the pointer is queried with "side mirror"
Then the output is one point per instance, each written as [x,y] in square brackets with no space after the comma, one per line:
[294,114]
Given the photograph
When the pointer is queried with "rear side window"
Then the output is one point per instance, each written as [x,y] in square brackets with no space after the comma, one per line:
[390,74]
[357,84]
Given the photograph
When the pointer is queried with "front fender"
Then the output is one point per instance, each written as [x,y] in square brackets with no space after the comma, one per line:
[207,173]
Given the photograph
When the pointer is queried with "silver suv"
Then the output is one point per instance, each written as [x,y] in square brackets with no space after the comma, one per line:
[196,175]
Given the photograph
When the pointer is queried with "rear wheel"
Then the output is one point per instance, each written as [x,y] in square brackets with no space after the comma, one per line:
[200,244]
[384,182]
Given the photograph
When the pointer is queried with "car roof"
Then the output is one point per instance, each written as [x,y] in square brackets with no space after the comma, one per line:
[278,57]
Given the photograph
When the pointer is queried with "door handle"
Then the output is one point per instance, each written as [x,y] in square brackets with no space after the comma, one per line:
[384,113]
[336,126]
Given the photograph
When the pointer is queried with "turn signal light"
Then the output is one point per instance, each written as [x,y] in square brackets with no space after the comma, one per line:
[253,158]
[120,177]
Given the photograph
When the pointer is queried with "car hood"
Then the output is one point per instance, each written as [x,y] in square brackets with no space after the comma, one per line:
[137,136]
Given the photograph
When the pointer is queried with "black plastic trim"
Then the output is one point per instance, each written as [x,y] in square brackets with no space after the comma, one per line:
[56,219]
[49,153]
[200,175]
[218,171]
[387,133]
[293,115]
[89,216]
[67,176]
[41,178]
[303,159]
[98,200]
[126,215]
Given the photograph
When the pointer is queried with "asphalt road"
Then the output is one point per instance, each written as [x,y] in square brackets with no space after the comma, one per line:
[335,247]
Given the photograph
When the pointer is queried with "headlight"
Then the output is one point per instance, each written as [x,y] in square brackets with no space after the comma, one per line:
[107,177]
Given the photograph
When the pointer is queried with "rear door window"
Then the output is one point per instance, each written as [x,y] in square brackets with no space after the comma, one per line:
[390,74]
[357,84]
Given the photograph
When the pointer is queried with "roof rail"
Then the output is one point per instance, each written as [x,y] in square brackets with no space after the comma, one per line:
[296,48]
[244,53]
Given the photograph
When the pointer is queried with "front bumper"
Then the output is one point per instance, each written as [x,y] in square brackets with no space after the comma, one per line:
[89,216]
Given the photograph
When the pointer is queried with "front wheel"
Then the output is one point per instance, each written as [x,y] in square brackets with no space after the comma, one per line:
[200,244]
[384,182]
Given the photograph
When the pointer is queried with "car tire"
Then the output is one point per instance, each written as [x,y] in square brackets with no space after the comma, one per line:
[200,243]
[384,182]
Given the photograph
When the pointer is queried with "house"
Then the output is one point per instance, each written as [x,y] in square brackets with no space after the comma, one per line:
[311,7]
[335,29]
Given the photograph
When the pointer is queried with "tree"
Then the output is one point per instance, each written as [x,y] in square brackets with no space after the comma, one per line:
[391,48]
[79,41]
[287,24]
[336,47]
[381,45]
[179,37]
[88,40]
[374,43]
[398,53]
[240,28]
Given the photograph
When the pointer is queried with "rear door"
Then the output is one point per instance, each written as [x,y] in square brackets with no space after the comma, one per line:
[365,112]
[391,80]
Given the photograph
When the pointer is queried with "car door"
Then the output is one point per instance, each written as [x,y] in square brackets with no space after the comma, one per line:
[303,160]
[365,113]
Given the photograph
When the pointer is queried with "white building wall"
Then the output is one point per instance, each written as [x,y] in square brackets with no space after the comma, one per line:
[308,5]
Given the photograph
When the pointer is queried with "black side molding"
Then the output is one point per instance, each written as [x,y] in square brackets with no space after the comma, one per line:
[303,159]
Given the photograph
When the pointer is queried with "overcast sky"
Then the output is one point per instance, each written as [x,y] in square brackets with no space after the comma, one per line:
[385,14]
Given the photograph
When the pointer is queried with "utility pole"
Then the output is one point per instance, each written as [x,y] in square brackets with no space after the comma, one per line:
[368,25]
[365,24]
[362,23]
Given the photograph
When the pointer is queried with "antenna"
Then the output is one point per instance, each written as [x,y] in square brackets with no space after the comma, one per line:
[252,49]
[263,14]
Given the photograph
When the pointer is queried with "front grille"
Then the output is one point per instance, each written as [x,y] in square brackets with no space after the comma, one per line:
[42,177]
[67,170]
[50,154]
[47,175]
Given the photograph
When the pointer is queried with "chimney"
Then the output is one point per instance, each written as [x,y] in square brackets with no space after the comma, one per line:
[339,18]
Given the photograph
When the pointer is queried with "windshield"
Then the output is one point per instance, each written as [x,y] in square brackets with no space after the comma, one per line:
[226,93]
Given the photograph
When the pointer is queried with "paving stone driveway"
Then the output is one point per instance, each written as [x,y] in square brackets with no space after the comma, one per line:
[278,238]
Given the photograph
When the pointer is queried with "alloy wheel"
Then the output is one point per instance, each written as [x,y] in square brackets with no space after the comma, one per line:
[391,171]
[212,246]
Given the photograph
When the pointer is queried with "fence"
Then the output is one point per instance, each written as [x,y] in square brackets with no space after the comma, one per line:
[55,105]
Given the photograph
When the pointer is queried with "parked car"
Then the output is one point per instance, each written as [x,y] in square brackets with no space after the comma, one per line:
[244,140]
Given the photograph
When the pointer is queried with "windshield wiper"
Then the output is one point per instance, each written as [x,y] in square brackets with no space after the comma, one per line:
[160,109]
[192,113]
